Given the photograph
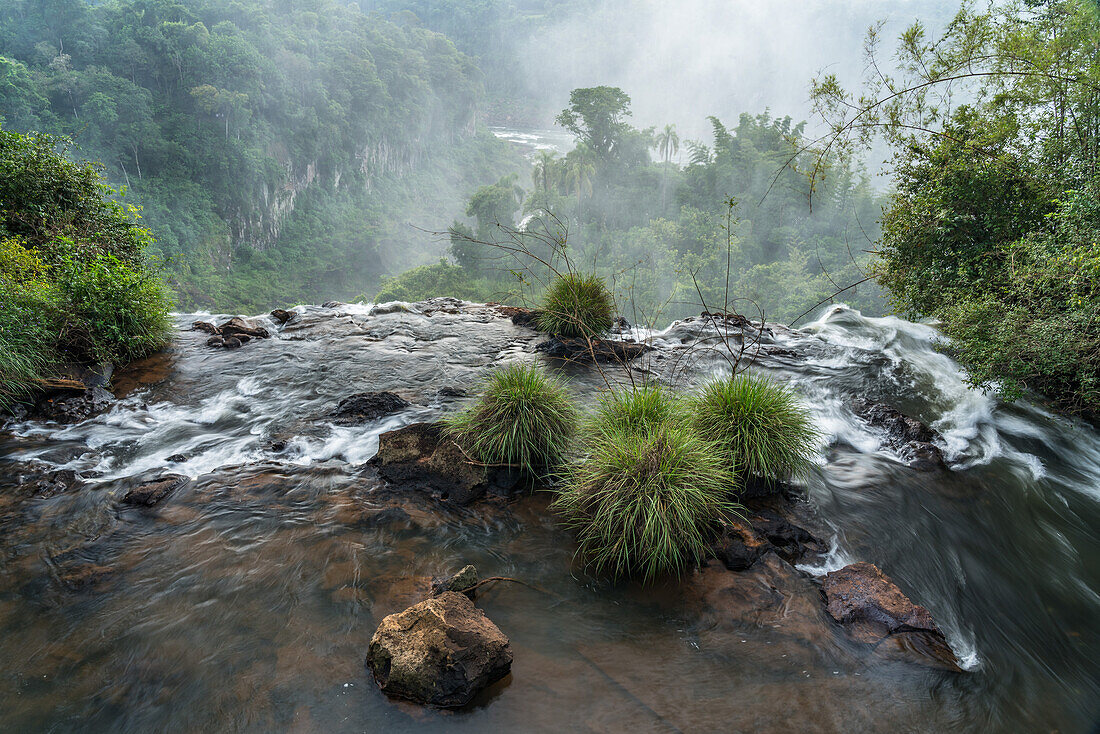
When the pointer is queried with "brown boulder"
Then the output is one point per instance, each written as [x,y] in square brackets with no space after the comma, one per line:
[237,326]
[419,455]
[872,609]
[439,652]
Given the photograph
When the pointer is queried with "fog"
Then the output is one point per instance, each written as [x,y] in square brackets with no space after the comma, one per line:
[683,61]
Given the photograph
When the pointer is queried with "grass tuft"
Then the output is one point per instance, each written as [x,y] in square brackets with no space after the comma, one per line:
[647,490]
[521,417]
[759,426]
[577,305]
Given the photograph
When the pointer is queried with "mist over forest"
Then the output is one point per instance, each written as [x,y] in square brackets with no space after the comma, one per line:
[300,152]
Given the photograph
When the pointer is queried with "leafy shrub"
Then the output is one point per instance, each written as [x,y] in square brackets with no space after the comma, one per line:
[758,426]
[642,500]
[577,305]
[112,312]
[521,417]
[74,282]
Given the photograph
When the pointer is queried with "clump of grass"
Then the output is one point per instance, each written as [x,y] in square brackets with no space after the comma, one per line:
[577,305]
[648,488]
[638,410]
[521,417]
[642,502]
[758,425]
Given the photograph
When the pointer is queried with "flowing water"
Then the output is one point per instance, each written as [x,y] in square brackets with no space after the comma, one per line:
[246,600]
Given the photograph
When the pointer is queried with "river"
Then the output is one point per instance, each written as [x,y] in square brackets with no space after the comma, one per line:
[246,600]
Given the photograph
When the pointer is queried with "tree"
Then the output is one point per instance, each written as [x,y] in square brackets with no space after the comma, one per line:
[595,116]
[993,226]
[668,143]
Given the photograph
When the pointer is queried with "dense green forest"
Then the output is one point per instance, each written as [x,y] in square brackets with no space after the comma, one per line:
[279,151]
[736,227]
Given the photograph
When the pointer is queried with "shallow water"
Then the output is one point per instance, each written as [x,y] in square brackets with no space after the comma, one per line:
[246,601]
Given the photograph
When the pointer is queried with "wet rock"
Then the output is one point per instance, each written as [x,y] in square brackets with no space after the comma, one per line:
[461,582]
[67,406]
[771,594]
[215,341]
[282,317]
[51,483]
[913,440]
[598,350]
[738,546]
[419,456]
[204,326]
[620,325]
[150,493]
[231,342]
[333,304]
[793,543]
[872,608]
[439,652]
[367,406]
[520,316]
[450,392]
[177,458]
[237,326]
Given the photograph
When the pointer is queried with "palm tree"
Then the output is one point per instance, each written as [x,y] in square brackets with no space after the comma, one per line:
[543,175]
[668,143]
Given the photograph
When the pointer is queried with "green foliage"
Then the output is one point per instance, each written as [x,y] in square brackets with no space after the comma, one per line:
[112,312]
[74,282]
[595,115]
[994,224]
[521,417]
[646,492]
[577,305]
[279,150]
[757,425]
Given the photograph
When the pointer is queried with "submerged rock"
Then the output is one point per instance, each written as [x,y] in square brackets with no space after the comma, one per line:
[913,440]
[367,406]
[872,609]
[439,652]
[462,582]
[599,350]
[150,493]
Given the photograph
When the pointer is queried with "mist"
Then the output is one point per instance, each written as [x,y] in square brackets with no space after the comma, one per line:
[682,62]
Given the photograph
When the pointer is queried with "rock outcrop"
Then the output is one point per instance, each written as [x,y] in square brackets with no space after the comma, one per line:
[913,440]
[575,349]
[440,652]
[232,334]
[873,609]
[420,455]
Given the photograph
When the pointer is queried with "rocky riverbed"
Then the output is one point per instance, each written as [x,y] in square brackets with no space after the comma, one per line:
[217,546]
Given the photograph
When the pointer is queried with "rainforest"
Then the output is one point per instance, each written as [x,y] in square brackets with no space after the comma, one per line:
[546,365]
